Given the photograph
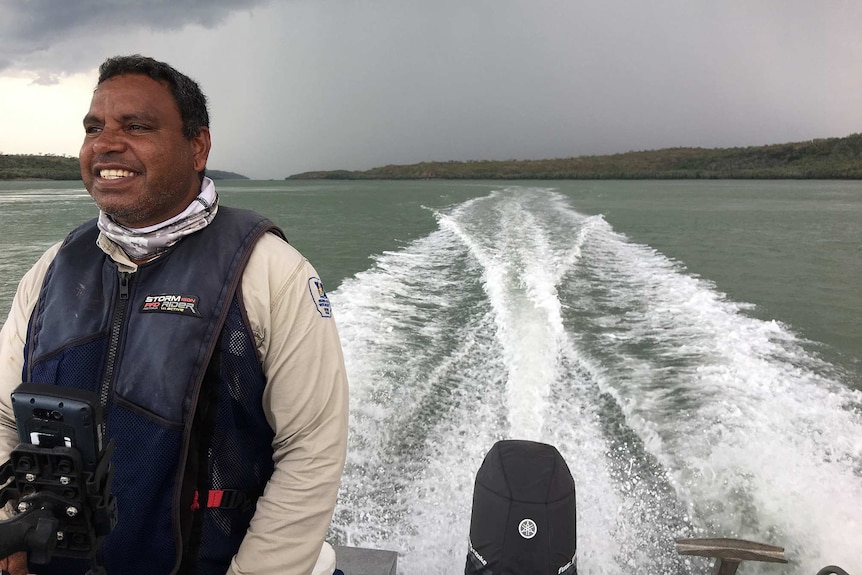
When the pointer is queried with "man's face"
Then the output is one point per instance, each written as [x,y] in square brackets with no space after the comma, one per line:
[135,161]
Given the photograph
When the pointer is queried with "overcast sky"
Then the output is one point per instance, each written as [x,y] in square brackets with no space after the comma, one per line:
[298,85]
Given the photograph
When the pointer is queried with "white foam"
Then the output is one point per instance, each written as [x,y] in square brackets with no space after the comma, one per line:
[759,442]
[678,413]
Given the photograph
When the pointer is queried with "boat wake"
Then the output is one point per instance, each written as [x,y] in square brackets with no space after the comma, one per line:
[678,413]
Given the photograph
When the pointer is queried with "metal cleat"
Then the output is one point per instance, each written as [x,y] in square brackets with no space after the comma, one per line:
[730,552]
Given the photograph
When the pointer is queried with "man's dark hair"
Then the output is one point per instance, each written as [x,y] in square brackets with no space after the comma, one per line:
[190,99]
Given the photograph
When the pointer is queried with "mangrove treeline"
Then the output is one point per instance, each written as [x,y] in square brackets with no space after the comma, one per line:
[829,158]
[42,167]
[48,167]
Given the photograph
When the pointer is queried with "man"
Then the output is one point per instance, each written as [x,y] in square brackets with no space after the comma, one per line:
[208,337]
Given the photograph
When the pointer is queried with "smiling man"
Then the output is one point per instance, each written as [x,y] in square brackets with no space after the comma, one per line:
[219,368]
[138,149]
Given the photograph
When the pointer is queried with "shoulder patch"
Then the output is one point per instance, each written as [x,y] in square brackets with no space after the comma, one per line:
[318,295]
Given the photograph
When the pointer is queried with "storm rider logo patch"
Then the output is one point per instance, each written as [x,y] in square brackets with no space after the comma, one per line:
[171,303]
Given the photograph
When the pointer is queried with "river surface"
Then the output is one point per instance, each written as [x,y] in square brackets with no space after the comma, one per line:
[691,348]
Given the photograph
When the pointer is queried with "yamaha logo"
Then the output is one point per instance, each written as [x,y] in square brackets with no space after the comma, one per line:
[527,528]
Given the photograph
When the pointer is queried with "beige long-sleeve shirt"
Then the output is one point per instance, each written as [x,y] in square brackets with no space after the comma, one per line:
[305,400]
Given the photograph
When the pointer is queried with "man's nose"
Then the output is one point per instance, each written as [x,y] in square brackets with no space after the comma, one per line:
[109,140]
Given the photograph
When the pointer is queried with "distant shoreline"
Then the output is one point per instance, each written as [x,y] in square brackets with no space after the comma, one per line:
[826,159]
[822,159]
[35,168]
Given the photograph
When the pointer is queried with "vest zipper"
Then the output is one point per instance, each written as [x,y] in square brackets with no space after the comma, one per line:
[118,318]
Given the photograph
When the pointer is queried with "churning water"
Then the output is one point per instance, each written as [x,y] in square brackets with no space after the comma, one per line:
[522,312]
[679,414]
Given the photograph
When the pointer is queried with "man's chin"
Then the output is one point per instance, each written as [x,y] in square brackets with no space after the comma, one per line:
[123,215]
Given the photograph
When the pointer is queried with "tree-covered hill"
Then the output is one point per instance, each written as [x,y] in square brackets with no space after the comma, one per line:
[830,158]
[41,167]
[48,167]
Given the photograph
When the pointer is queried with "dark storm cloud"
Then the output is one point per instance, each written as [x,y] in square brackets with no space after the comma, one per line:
[32,30]
[322,84]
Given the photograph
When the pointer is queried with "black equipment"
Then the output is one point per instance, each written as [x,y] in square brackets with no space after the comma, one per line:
[60,477]
[523,518]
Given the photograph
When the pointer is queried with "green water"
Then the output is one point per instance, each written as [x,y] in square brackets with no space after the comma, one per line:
[791,248]
[692,349]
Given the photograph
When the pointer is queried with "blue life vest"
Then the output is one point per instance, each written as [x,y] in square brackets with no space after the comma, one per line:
[170,350]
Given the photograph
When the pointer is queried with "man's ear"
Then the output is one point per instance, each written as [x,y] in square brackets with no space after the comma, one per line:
[201,148]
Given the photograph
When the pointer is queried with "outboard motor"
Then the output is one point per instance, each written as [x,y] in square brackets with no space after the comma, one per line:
[523,519]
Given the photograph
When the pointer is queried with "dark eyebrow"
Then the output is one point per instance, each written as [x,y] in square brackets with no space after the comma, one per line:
[125,118]
[140,117]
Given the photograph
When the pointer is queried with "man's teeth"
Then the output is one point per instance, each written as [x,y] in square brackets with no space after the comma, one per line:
[115,174]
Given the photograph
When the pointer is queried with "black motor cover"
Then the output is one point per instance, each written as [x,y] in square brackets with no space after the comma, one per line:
[523,519]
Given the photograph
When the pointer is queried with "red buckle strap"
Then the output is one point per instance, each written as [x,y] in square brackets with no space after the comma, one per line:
[224,498]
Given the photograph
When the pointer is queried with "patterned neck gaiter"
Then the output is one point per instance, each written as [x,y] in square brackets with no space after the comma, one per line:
[146,243]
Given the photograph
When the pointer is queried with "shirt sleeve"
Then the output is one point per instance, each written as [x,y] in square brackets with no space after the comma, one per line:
[305,401]
[12,338]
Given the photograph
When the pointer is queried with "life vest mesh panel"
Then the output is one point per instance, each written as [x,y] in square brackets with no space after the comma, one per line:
[142,534]
[240,459]
[80,366]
